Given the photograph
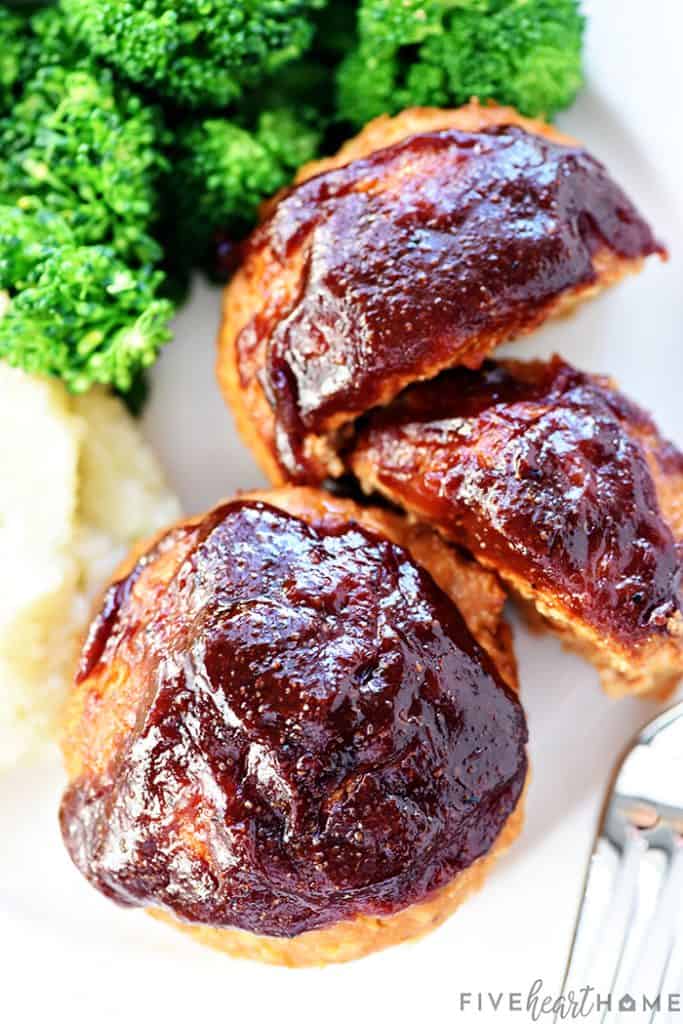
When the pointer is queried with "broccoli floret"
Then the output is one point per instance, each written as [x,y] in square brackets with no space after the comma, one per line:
[27,238]
[82,158]
[13,45]
[224,171]
[289,137]
[225,166]
[87,318]
[77,145]
[51,42]
[194,52]
[443,52]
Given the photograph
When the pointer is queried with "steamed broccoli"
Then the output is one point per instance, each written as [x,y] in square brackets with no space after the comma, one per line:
[12,54]
[27,238]
[224,167]
[194,52]
[224,171]
[79,197]
[86,317]
[443,52]
[51,43]
[76,144]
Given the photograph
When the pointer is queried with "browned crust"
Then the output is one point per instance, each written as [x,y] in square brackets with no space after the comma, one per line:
[384,131]
[250,408]
[350,940]
[244,296]
[653,672]
[99,710]
[654,669]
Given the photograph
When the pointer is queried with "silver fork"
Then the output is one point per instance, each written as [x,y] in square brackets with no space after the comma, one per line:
[628,942]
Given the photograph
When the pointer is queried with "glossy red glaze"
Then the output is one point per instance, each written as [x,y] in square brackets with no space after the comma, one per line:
[321,735]
[425,255]
[540,470]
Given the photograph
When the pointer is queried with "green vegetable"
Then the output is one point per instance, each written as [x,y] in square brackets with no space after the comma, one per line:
[194,52]
[86,317]
[27,238]
[51,43]
[443,52]
[82,158]
[224,171]
[12,54]
[78,145]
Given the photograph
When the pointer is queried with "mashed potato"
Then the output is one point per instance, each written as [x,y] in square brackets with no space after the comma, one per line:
[78,486]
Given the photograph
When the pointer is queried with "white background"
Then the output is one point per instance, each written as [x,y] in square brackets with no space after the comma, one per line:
[67,954]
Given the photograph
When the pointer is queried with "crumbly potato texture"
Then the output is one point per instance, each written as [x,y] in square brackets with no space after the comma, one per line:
[78,487]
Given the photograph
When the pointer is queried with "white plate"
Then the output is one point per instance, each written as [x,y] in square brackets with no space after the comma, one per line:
[67,953]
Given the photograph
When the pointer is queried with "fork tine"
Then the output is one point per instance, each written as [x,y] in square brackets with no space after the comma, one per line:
[607,907]
[672,982]
[658,967]
[651,886]
[629,932]
[599,885]
[611,939]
